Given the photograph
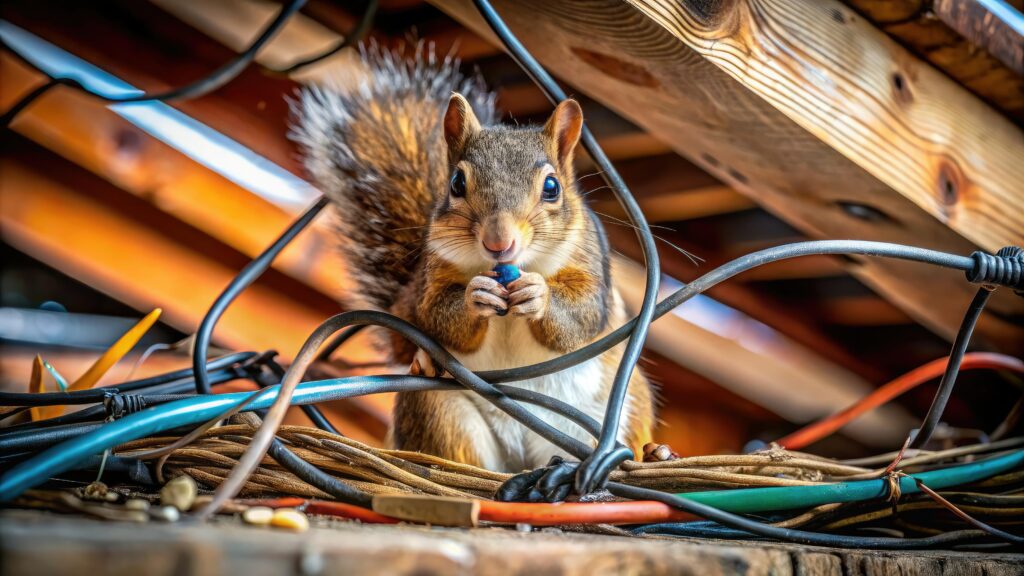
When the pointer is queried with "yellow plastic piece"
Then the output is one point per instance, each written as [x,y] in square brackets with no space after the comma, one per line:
[35,386]
[117,351]
[100,367]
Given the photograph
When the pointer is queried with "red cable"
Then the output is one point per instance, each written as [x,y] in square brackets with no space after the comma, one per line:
[972,360]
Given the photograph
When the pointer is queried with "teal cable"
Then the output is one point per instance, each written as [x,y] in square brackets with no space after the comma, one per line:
[750,500]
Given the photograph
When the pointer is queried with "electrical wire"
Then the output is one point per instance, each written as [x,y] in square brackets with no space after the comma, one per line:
[609,454]
[830,424]
[239,283]
[94,395]
[791,534]
[948,382]
[216,79]
[83,441]
[357,34]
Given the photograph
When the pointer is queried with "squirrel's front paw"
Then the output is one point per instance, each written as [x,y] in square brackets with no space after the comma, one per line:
[486,297]
[528,296]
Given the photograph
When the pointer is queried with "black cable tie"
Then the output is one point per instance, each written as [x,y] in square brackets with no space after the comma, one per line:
[119,405]
[1004,268]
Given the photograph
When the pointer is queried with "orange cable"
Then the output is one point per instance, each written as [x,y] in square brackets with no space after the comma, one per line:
[934,369]
[536,514]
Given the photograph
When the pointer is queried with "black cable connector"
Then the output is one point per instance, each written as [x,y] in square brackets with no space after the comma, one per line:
[1004,268]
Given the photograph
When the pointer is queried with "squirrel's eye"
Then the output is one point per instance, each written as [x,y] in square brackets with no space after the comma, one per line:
[457,187]
[551,189]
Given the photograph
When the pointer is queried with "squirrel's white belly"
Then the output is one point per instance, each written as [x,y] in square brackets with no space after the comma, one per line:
[507,445]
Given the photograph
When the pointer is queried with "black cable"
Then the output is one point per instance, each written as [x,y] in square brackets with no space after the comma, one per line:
[216,79]
[948,382]
[738,522]
[317,477]
[247,276]
[360,31]
[723,273]
[609,454]
[32,96]
[336,341]
[94,395]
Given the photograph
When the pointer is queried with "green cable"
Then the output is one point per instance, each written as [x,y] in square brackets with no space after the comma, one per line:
[750,500]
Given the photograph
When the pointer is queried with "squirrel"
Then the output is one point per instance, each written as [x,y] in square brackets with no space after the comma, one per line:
[431,192]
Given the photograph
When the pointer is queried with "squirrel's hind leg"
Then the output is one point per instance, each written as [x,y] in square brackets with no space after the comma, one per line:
[446,424]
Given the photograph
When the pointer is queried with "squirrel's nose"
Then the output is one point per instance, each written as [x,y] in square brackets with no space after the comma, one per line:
[500,247]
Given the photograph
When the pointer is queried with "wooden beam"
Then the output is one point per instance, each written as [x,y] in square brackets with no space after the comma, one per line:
[85,131]
[797,268]
[761,94]
[994,26]
[126,249]
[684,204]
[121,255]
[916,25]
[859,311]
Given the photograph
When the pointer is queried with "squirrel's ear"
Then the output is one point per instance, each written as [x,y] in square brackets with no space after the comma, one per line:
[460,124]
[563,130]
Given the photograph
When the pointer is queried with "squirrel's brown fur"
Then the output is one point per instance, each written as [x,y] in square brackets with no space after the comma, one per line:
[430,196]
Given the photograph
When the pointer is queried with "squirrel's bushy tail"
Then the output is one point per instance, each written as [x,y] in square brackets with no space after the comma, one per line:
[377,151]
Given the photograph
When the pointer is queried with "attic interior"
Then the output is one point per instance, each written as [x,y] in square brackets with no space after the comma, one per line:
[737,125]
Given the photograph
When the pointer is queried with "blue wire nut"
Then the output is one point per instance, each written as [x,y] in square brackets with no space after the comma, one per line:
[506,273]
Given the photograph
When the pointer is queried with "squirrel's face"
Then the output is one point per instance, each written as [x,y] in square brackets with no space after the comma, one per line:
[511,196]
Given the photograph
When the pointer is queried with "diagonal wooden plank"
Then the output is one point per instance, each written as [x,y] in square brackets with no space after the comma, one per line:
[796,104]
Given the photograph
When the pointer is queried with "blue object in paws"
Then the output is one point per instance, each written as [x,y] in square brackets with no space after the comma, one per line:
[506,273]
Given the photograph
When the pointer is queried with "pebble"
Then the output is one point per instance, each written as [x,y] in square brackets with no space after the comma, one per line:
[258,515]
[137,504]
[166,513]
[97,491]
[523,527]
[180,492]
[291,519]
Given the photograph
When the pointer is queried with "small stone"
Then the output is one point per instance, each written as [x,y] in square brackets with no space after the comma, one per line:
[96,491]
[659,453]
[110,496]
[180,492]
[166,513]
[523,527]
[137,504]
[291,519]
[258,515]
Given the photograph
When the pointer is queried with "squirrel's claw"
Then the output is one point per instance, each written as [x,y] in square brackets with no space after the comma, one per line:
[486,297]
[424,365]
[528,296]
